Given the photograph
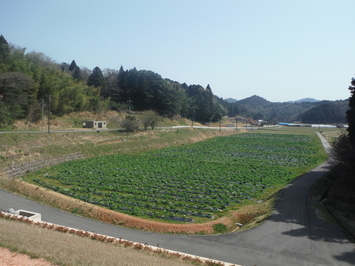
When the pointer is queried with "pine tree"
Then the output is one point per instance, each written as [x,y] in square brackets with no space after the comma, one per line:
[350,114]
[18,95]
[4,50]
[72,66]
[96,78]
[122,85]
[77,74]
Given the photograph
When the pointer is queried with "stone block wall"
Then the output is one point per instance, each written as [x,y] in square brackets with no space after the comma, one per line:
[17,170]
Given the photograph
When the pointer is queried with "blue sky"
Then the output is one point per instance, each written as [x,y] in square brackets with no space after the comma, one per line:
[279,50]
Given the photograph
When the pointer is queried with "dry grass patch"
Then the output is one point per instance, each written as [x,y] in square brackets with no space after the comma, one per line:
[7,257]
[253,214]
[67,249]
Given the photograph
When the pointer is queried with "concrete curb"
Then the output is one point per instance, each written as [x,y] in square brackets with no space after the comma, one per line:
[110,239]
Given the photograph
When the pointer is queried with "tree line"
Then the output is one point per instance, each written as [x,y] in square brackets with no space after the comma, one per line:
[326,112]
[32,83]
[342,177]
[29,80]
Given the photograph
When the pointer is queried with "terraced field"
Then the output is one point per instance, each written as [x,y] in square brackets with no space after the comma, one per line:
[193,181]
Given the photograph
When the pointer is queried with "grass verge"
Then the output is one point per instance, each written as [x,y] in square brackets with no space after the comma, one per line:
[332,209]
[69,249]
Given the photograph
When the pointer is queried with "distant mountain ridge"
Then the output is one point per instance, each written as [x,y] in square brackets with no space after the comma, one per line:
[307,100]
[307,110]
[254,100]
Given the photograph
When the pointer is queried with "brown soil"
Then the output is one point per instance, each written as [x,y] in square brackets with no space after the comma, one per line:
[8,257]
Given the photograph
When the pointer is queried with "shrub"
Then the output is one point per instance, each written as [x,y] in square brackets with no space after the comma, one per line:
[220,228]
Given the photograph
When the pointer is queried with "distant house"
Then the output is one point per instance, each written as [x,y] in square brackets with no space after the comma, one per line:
[94,124]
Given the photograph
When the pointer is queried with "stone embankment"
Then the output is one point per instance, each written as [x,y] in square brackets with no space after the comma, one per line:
[17,170]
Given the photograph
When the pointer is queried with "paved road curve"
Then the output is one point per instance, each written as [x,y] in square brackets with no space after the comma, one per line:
[293,235]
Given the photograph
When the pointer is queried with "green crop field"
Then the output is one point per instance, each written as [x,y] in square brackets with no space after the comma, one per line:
[196,181]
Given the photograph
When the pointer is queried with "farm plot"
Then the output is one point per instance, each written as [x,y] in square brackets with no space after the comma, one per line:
[181,184]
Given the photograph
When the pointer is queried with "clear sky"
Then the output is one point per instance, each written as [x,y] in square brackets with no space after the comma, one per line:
[279,50]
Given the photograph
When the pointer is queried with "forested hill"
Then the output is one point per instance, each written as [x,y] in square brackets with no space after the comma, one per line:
[33,82]
[29,80]
[301,111]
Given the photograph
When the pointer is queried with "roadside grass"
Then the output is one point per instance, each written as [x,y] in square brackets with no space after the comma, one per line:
[344,214]
[68,249]
[18,148]
[333,210]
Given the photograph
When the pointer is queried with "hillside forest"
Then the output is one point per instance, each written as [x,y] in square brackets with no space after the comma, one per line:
[32,83]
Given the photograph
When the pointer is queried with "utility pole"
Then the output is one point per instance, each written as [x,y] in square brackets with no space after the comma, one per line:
[42,114]
[129,104]
[236,126]
[49,114]
[193,115]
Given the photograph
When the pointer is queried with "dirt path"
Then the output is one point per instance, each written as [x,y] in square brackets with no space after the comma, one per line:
[8,257]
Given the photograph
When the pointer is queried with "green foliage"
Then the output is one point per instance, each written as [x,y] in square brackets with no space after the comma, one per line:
[307,112]
[344,153]
[350,114]
[130,123]
[4,50]
[72,66]
[197,180]
[76,89]
[150,118]
[25,80]
[220,228]
[96,78]
[77,74]
[203,109]
[327,112]
[18,95]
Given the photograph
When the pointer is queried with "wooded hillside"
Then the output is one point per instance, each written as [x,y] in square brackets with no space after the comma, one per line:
[31,84]
[312,112]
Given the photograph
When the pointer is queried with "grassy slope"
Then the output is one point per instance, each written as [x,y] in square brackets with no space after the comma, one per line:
[68,249]
[28,147]
[37,242]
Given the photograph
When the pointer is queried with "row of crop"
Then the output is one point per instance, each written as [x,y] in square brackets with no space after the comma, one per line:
[137,206]
[180,183]
[261,156]
[181,188]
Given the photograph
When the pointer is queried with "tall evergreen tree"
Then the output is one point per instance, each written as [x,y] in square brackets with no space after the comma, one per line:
[96,78]
[18,93]
[208,89]
[122,86]
[72,66]
[203,103]
[77,74]
[350,114]
[4,50]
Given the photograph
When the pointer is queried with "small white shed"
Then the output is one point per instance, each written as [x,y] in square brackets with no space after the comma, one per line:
[94,124]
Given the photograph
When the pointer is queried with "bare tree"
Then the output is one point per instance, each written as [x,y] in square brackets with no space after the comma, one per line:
[150,118]
[130,123]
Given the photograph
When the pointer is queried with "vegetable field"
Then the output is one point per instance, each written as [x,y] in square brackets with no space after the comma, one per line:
[192,181]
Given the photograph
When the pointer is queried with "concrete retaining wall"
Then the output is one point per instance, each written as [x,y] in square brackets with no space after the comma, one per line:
[17,170]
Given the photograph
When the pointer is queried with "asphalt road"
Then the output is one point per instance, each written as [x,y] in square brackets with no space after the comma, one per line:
[77,130]
[293,235]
